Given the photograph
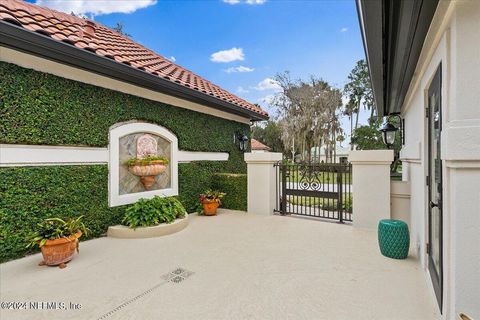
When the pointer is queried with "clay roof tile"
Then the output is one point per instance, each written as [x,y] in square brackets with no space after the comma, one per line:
[94,37]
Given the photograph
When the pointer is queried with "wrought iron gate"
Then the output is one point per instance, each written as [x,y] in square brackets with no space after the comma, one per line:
[321,190]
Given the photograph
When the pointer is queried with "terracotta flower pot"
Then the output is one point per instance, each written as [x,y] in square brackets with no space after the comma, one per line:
[210,207]
[59,251]
[147,172]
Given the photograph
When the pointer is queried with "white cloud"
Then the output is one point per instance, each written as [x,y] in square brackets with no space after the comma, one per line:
[253,2]
[268,84]
[240,69]
[344,30]
[230,55]
[172,58]
[97,7]
[241,90]
[268,99]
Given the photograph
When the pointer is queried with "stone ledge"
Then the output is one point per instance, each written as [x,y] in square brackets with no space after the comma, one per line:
[160,230]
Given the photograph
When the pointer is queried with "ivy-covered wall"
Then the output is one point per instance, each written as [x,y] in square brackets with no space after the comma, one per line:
[235,187]
[39,108]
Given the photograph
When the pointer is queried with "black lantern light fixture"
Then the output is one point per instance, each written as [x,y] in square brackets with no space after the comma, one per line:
[389,130]
[241,141]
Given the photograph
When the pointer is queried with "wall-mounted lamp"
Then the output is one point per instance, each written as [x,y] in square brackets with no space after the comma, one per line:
[389,130]
[241,141]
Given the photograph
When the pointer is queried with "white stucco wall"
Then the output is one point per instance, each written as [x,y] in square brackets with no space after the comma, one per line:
[261,173]
[453,41]
[400,203]
[371,185]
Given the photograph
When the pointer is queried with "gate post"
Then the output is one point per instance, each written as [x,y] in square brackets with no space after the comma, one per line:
[371,186]
[261,181]
[340,194]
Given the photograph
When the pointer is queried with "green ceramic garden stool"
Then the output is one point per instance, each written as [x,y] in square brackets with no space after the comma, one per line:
[393,238]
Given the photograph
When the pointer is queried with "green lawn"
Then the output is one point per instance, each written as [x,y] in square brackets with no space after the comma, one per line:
[325,204]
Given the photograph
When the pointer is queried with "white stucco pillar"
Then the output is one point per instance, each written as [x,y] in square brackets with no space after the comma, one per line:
[371,186]
[261,181]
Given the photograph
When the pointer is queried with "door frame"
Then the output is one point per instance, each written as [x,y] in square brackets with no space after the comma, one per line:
[437,279]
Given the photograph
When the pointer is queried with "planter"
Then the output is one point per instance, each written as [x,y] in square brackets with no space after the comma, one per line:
[393,238]
[163,229]
[60,251]
[210,207]
[148,171]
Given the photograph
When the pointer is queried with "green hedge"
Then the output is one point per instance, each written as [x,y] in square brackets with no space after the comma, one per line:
[39,108]
[235,185]
[28,195]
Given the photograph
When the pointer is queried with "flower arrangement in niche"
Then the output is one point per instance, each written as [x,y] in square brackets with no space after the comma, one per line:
[147,164]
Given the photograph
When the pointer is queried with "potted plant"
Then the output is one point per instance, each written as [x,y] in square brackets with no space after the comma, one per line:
[58,239]
[147,168]
[210,201]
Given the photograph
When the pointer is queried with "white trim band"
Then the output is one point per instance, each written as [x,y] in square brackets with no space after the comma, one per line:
[189,156]
[12,155]
[20,155]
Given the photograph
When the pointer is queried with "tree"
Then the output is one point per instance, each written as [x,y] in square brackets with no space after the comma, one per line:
[370,138]
[119,28]
[270,134]
[358,90]
[308,113]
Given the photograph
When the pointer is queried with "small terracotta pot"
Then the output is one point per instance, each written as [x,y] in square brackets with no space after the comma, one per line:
[59,251]
[148,172]
[210,207]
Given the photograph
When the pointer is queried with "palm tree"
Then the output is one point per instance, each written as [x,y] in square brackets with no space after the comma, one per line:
[359,92]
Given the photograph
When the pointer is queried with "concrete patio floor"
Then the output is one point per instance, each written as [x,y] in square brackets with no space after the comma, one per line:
[243,267]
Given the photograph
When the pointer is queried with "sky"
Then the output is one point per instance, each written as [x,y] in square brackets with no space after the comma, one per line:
[239,45]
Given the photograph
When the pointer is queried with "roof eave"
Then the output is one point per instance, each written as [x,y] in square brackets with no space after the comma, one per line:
[393,35]
[370,18]
[38,44]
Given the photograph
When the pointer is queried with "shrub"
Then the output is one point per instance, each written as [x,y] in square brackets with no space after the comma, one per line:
[141,214]
[235,187]
[146,213]
[169,208]
[28,195]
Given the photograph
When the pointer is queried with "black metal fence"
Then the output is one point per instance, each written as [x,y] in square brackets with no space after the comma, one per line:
[322,190]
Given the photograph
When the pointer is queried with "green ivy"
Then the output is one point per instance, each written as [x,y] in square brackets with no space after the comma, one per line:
[39,108]
[235,186]
[29,195]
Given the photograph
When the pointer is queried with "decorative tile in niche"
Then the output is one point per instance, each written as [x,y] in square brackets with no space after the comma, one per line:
[129,183]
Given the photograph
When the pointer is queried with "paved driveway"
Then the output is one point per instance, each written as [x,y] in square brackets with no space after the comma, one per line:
[233,266]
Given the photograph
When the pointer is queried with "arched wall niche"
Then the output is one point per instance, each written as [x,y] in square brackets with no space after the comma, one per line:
[135,140]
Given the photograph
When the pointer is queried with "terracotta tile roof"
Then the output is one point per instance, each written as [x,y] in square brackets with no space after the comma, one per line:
[94,37]
[257,145]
